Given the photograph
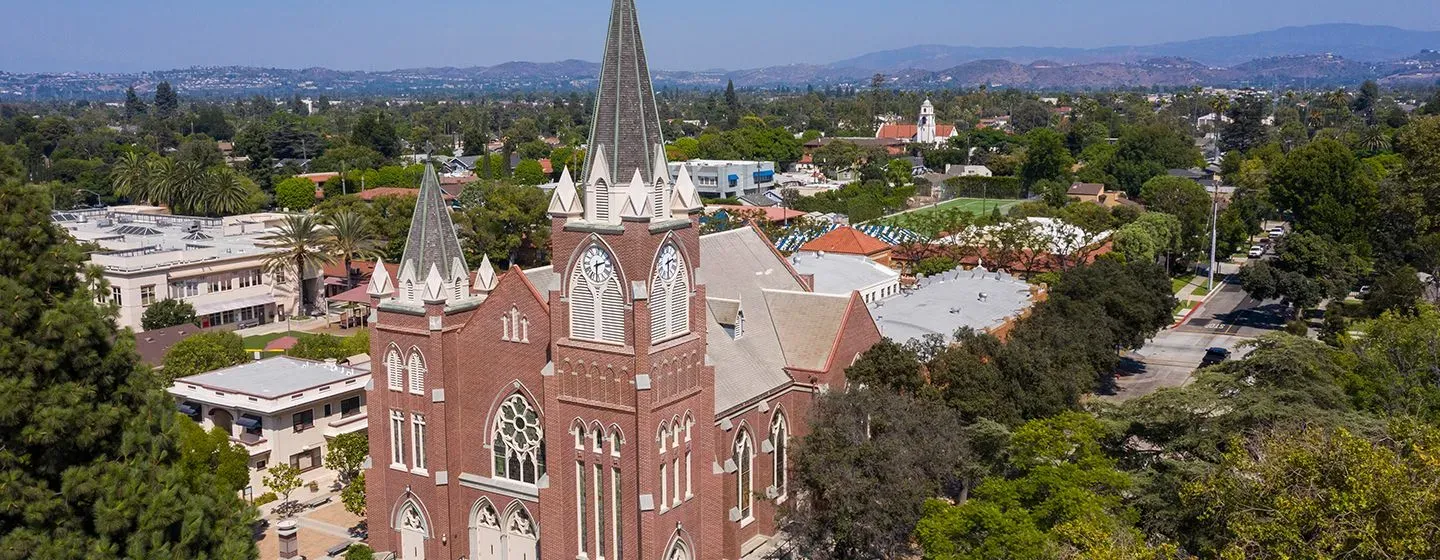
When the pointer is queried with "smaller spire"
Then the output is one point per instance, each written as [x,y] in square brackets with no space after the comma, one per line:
[600,169]
[662,168]
[683,198]
[485,276]
[380,283]
[565,202]
[434,286]
[635,206]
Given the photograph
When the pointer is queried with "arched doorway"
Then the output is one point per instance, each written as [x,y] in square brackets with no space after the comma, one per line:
[522,539]
[412,532]
[485,533]
[222,419]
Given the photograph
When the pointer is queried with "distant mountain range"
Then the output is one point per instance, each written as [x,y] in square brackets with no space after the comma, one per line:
[1311,56]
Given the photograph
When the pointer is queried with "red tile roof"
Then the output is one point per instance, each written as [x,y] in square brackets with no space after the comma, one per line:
[846,240]
[319,178]
[772,213]
[901,130]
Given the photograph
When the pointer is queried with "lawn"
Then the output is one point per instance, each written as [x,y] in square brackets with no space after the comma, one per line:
[259,341]
[1177,284]
[976,206]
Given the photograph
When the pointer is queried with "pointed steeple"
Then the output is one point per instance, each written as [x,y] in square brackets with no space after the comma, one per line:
[626,122]
[432,244]
[565,202]
[485,276]
[683,198]
[380,283]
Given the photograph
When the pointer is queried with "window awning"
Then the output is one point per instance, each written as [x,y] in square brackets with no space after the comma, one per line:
[187,409]
[208,307]
[247,421]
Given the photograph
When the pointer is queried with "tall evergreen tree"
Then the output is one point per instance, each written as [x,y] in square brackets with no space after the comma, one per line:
[732,105]
[134,106]
[90,450]
[167,102]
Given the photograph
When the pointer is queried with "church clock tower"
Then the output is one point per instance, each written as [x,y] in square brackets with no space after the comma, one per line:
[630,379]
[925,127]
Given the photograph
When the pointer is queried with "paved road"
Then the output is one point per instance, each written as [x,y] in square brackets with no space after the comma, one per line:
[1228,319]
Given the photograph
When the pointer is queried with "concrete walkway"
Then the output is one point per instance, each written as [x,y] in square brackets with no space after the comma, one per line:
[305,325]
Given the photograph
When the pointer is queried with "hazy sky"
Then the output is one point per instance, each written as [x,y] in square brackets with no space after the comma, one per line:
[56,35]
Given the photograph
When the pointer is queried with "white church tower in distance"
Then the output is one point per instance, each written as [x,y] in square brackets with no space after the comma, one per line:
[925,127]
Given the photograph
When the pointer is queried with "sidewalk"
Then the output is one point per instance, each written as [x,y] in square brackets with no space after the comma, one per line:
[307,324]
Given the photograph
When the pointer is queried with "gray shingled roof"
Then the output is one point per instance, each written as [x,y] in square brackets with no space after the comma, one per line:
[432,237]
[626,122]
[807,324]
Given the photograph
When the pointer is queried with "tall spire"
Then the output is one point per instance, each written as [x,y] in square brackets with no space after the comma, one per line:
[626,123]
[432,243]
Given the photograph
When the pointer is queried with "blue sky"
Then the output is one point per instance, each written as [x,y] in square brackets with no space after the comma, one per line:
[57,35]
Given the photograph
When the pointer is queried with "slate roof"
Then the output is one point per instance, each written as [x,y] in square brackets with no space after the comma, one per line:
[785,326]
[1086,189]
[625,124]
[432,237]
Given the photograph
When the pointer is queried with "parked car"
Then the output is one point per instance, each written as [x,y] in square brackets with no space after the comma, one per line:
[1276,232]
[1257,251]
[1214,355]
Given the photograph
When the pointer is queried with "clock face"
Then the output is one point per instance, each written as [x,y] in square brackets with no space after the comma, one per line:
[597,265]
[669,262]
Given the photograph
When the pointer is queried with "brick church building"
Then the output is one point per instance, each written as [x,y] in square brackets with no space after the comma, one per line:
[637,400]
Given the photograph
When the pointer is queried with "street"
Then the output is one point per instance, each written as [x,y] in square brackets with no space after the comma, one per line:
[1229,318]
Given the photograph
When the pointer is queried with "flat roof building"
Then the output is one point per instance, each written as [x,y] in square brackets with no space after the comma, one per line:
[215,264]
[281,409]
[841,274]
[942,304]
[728,178]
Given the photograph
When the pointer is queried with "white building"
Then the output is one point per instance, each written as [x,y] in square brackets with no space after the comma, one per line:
[728,178]
[954,170]
[925,130]
[215,264]
[838,274]
[281,409]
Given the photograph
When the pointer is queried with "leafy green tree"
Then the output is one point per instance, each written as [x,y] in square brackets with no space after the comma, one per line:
[1147,150]
[1045,157]
[295,193]
[1188,202]
[1393,365]
[887,365]
[1029,116]
[167,313]
[864,480]
[345,452]
[529,172]
[1326,190]
[1324,493]
[283,479]
[202,352]
[1149,237]
[322,347]
[375,130]
[353,498]
[504,219]
[90,438]
[1060,497]
[212,452]
[1398,289]
[359,551]
[210,120]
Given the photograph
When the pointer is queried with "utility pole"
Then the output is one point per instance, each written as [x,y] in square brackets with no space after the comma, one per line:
[1220,105]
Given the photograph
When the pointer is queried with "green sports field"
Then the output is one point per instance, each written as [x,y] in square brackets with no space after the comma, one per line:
[971,205]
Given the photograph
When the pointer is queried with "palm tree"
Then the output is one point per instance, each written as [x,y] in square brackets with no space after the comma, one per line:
[351,237]
[159,187]
[226,193]
[301,243]
[187,182]
[130,176]
[1374,139]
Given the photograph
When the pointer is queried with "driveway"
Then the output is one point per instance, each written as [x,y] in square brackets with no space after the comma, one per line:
[1229,318]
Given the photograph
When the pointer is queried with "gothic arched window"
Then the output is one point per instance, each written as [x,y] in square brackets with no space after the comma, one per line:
[745,475]
[395,369]
[597,303]
[678,551]
[519,444]
[669,295]
[780,440]
[417,371]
